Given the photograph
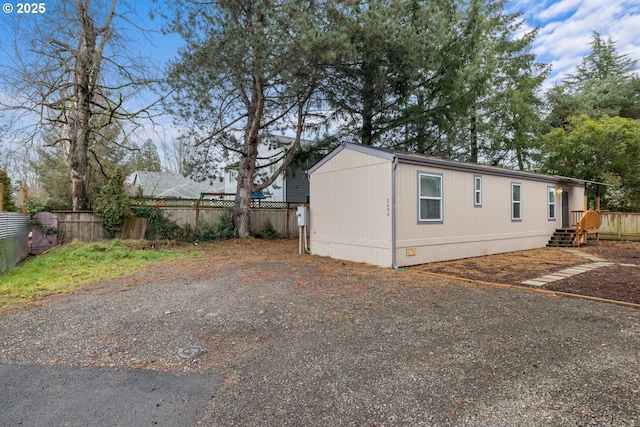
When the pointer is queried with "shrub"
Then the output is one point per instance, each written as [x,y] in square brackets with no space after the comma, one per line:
[112,204]
[159,227]
[223,227]
[267,231]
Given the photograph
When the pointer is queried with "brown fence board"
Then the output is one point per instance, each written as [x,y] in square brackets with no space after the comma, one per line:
[84,226]
[620,226]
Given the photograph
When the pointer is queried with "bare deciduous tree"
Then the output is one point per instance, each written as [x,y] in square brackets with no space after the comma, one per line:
[68,71]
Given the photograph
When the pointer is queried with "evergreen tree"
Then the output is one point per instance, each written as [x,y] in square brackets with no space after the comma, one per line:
[112,204]
[9,204]
[249,68]
[145,158]
[605,83]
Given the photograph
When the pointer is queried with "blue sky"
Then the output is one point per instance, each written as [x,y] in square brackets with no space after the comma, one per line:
[566,28]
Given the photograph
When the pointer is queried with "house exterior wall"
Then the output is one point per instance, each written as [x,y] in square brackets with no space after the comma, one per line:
[352,213]
[350,209]
[467,230]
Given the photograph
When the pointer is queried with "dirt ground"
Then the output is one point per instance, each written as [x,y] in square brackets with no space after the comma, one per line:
[619,282]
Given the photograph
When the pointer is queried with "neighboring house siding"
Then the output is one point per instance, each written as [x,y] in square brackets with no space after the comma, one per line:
[296,187]
[350,209]
[283,189]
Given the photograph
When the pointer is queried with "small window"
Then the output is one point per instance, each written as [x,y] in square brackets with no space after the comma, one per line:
[477,191]
[516,202]
[551,202]
[429,197]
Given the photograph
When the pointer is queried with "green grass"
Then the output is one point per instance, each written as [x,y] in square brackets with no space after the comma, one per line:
[68,267]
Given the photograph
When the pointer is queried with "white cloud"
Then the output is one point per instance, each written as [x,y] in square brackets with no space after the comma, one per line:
[566,28]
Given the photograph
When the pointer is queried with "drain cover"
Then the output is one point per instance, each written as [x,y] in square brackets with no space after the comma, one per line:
[191,352]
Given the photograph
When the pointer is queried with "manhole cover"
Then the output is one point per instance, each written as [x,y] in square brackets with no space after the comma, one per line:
[191,352]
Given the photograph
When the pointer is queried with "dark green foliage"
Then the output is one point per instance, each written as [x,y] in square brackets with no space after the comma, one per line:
[145,158]
[112,204]
[267,231]
[606,149]
[222,229]
[7,196]
[605,84]
[159,227]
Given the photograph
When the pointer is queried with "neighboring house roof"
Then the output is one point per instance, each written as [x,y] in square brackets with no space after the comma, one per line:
[164,185]
[438,162]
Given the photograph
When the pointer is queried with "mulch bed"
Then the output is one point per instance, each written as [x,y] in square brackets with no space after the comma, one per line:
[620,282]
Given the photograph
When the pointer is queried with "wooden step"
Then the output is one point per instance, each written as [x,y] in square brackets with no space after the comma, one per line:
[563,238]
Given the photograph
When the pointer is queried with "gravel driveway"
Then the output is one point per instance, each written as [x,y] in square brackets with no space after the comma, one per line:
[310,341]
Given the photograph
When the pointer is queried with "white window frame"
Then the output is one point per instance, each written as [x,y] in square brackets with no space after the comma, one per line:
[477,192]
[515,203]
[551,194]
[438,198]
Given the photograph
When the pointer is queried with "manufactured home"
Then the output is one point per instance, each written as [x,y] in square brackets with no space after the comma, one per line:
[393,209]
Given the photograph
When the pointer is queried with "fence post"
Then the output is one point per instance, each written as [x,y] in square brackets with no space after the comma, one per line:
[619,224]
[197,214]
[1,198]
[286,224]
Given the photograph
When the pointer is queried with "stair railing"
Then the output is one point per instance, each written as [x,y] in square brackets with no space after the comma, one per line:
[589,223]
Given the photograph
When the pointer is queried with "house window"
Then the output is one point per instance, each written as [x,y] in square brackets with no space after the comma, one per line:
[429,197]
[516,201]
[477,191]
[551,202]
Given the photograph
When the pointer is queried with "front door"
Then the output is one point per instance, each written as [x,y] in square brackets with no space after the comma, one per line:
[565,209]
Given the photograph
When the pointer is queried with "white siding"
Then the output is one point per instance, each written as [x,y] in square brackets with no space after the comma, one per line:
[350,209]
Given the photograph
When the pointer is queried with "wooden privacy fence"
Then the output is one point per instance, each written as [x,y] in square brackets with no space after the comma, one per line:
[620,225]
[194,212]
[85,226]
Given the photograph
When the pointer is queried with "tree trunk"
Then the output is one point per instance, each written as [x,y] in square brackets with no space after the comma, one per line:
[84,86]
[368,101]
[81,119]
[78,169]
[247,166]
[474,137]
[242,203]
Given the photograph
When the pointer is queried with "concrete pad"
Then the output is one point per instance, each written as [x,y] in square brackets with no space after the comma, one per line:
[546,279]
[533,283]
[555,276]
[564,274]
[575,270]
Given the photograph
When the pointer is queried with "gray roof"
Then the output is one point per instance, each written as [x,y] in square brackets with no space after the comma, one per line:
[165,185]
[421,159]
